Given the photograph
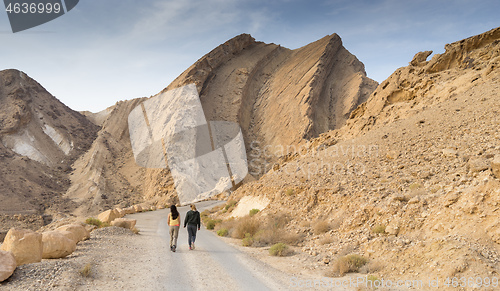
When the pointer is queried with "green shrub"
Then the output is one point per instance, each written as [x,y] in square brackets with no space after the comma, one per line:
[379,228]
[93,221]
[253,212]
[86,271]
[279,249]
[222,232]
[349,263]
[211,223]
[230,204]
[248,240]
[290,192]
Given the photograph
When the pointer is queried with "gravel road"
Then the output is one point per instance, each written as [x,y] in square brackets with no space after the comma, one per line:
[213,265]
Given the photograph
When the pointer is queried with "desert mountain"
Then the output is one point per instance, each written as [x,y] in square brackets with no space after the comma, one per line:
[411,181]
[40,138]
[279,97]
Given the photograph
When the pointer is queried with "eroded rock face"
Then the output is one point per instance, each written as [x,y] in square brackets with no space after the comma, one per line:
[25,245]
[124,222]
[7,265]
[495,166]
[409,90]
[56,245]
[78,232]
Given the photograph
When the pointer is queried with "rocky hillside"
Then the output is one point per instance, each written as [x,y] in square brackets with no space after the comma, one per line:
[412,181]
[279,97]
[40,138]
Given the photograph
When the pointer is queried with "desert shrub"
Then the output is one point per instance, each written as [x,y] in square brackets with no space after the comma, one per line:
[211,223]
[371,267]
[86,271]
[222,232]
[245,225]
[253,212]
[325,240]
[321,226]
[379,228]
[248,240]
[279,249]
[415,186]
[230,204]
[290,192]
[105,224]
[348,264]
[93,221]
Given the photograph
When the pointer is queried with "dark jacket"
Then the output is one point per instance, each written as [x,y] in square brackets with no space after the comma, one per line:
[192,218]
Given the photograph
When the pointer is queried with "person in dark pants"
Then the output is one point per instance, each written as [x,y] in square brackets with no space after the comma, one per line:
[192,221]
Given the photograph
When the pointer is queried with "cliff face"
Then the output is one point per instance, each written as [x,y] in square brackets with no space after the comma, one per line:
[40,138]
[280,97]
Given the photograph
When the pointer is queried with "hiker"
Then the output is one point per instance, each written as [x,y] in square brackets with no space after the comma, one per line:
[174,221]
[192,221]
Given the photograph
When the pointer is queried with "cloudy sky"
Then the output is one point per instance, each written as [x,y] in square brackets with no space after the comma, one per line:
[104,51]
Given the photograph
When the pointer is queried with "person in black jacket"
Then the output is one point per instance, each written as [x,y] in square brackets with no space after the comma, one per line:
[192,221]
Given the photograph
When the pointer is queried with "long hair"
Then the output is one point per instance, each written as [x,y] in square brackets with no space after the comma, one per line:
[193,207]
[174,212]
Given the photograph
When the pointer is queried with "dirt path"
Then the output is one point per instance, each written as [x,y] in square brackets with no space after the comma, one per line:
[214,265]
[121,260]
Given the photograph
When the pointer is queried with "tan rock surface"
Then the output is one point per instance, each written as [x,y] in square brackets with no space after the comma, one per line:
[56,245]
[78,232]
[7,265]
[108,215]
[25,245]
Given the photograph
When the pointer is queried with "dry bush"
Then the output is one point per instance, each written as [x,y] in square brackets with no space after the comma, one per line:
[348,264]
[379,228]
[247,241]
[372,267]
[321,226]
[86,271]
[280,250]
[325,240]
[245,225]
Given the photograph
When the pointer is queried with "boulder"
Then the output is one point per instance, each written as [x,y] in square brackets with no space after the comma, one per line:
[478,164]
[129,210]
[7,265]
[26,245]
[137,208]
[124,222]
[77,232]
[56,245]
[495,166]
[108,215]
[121,212]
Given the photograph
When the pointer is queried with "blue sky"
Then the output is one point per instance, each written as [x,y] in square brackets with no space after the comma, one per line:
[104,51]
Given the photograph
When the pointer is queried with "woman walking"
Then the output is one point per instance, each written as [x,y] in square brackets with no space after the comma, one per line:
[174,221]
[192,221]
